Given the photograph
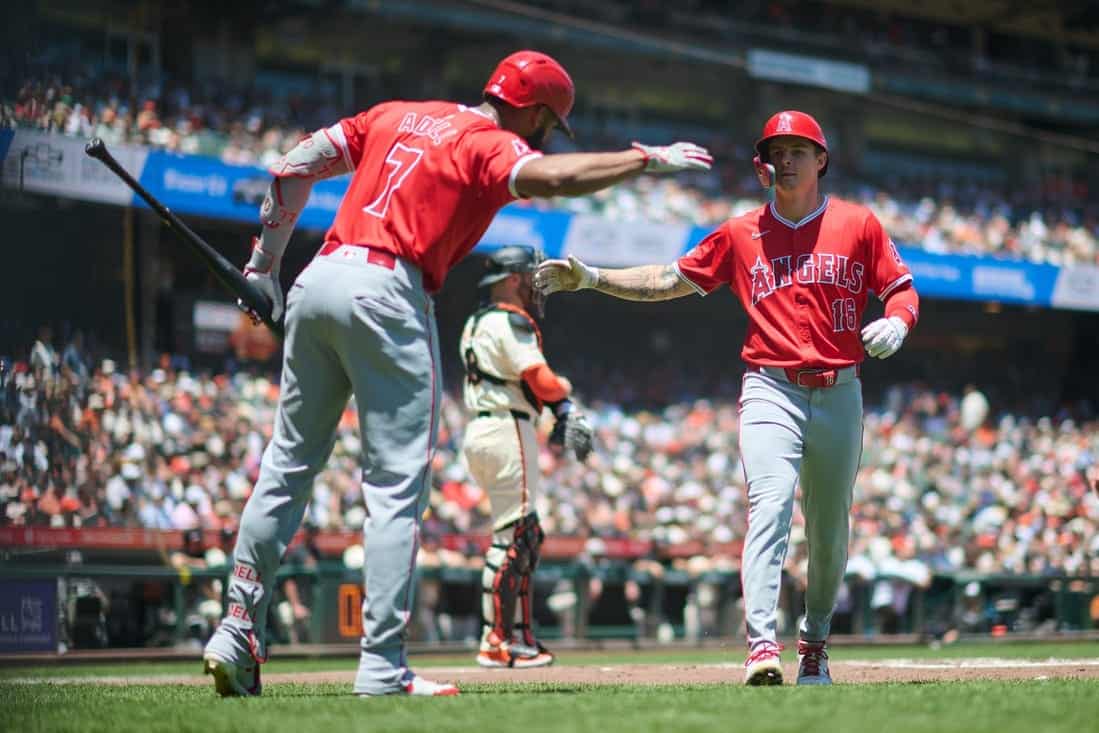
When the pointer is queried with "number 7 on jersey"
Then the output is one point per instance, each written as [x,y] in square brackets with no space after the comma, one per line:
[401,159]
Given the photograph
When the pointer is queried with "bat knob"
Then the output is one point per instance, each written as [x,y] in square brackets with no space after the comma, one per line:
[95,148]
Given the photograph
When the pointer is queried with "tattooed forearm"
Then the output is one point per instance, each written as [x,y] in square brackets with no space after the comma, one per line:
[648,282]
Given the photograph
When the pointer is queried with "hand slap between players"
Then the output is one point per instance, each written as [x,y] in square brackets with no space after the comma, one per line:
[555,275]
[675,157]
[883,337]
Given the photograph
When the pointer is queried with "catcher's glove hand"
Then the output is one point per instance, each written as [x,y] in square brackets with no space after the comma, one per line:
[572,431]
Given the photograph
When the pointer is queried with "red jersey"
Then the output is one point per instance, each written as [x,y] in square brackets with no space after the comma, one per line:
[429,177]
[804,285]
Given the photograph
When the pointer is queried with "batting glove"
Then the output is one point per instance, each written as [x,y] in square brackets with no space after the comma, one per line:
[554,275]
[262,271]
[765,172]
[884,337]
[677,157]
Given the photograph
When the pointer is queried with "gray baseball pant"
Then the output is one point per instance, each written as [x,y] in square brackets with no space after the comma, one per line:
[791,434]
[352,327]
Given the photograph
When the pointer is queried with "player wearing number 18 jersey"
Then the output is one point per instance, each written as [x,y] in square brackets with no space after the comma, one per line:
[427,179]
[802,268]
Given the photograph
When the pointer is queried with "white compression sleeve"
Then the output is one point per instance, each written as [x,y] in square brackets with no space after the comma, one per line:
[314,158]
[285,199]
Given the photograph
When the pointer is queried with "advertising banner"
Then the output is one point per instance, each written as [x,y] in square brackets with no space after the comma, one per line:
[54,164]
[788,67]
[204,186]
[28,615]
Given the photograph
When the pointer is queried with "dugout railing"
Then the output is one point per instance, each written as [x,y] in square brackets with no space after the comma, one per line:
[111,605]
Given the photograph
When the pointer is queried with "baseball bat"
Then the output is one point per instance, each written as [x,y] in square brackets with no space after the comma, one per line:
[226,273]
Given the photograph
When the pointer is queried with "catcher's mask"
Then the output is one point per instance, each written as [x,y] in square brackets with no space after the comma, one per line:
[515,259]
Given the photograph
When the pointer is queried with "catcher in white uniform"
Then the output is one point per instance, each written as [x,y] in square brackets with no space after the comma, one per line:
[507,385]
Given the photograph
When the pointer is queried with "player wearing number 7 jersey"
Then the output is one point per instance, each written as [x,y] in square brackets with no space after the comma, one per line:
[427,179]
[802,267]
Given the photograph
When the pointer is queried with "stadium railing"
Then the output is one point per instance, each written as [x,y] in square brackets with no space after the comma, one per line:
[666,603]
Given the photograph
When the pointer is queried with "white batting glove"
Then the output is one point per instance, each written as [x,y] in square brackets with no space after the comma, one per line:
[262,271]
[883,337]
[555,275]
[677,157]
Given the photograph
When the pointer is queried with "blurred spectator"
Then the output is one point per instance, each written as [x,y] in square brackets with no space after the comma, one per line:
[1052,220]
[1008,492]
[293,611]
[202,594]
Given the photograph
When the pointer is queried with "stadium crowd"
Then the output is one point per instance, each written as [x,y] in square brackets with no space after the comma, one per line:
[947,482]
[250,127]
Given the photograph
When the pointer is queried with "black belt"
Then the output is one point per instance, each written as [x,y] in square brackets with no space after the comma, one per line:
[517,414]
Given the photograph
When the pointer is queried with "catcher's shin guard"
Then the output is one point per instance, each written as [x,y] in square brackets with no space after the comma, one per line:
[525,626]
[509,564]
[501,590]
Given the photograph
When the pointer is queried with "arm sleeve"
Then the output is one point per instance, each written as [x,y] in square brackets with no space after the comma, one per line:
[887,270]
[494,159]
[323,154]
[709,264]
[904,303]
[544,383]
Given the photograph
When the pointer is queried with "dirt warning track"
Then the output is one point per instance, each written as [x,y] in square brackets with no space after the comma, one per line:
[843,672]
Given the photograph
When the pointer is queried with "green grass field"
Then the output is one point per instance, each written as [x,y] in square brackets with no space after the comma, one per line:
[1032,706]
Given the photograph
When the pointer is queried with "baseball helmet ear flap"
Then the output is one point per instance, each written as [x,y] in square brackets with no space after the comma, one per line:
[798,124]
[527,78]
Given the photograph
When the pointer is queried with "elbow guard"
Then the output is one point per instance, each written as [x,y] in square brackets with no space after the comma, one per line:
[316,156]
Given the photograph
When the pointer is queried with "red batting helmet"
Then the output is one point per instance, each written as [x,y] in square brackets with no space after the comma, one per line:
[792,122]
[526,78]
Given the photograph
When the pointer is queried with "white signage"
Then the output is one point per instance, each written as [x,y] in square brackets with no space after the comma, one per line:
[55,164]
[808,70]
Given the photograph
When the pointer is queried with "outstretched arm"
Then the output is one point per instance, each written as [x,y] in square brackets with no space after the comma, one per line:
[578,174]
[643,283]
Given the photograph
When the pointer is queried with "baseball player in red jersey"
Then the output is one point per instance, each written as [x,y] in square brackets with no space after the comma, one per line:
[802,267]
[427,179]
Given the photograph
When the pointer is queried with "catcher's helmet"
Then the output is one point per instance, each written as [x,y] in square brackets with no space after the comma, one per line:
[527,78]
[792,122]
[508,260]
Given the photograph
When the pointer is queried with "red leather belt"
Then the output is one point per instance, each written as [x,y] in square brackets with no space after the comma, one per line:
[814,378]
[809,378]
[374,256]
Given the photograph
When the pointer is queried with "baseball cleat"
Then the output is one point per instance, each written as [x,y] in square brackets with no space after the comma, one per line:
[495,658]
[764,666]
[232,680]
[813,663]
[514,656]
[414,684]
[526,656]
[417,685]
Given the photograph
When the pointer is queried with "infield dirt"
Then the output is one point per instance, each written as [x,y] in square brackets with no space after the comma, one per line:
[844,672]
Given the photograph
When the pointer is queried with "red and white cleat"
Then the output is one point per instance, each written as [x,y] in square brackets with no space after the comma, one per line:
[495,657]
[414,684]
[764,666]
[233,680]
[813,663]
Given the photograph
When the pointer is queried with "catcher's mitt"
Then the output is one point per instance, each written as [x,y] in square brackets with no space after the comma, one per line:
[573,432]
